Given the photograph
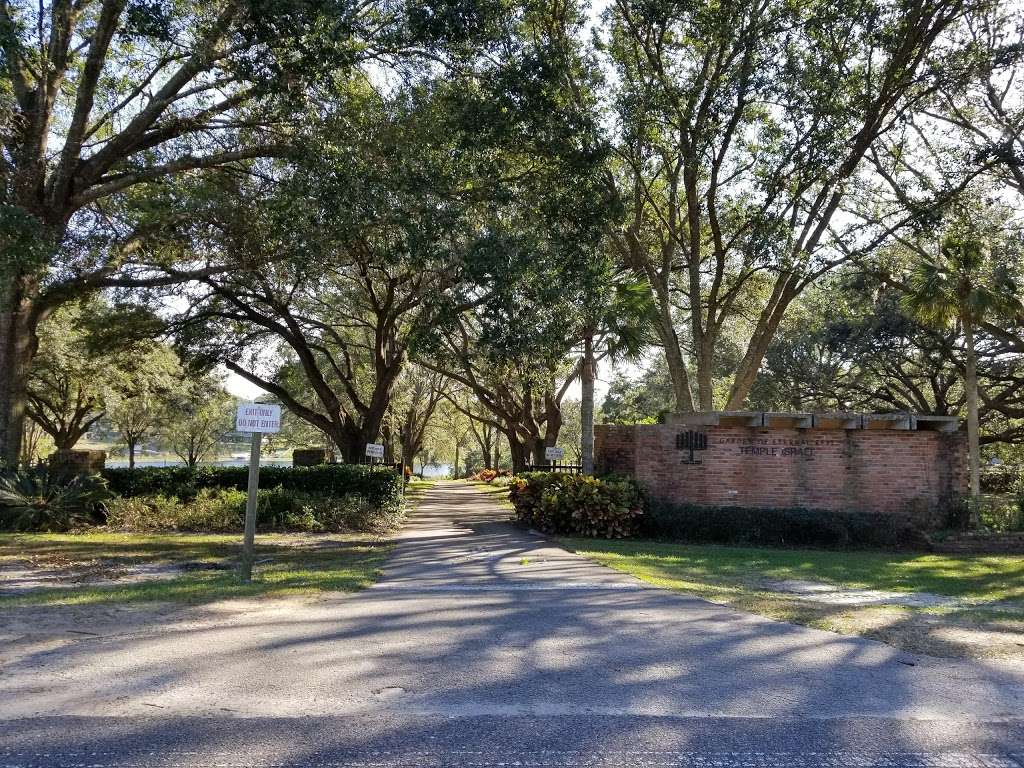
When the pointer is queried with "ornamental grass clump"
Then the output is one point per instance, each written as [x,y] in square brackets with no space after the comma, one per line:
[577,505]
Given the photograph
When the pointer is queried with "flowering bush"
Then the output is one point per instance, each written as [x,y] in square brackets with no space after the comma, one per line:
[489,475]
[577,504]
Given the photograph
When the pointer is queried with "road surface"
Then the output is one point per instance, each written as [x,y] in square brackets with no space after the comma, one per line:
[484,645]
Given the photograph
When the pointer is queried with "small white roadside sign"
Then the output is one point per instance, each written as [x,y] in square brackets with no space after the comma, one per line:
[375,450]
[554,454]
[258,417]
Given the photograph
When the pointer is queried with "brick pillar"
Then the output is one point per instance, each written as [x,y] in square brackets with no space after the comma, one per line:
[78,462]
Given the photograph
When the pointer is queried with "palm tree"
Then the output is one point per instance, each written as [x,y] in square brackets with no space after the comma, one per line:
[963,285]
[622,330]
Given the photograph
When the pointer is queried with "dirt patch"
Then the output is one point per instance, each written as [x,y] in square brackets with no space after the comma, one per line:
[40,573]
[952,635]
[26,630]
[956,628]
[834,594]
[967,633]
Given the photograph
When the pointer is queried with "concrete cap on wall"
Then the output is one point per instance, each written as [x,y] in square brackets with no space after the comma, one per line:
[828,420]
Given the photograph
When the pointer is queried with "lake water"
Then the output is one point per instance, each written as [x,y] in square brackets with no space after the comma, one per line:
[232,462]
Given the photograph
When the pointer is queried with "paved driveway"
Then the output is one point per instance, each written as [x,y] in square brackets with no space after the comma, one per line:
[485,646]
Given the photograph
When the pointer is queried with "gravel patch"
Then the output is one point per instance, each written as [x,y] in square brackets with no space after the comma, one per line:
[834,594]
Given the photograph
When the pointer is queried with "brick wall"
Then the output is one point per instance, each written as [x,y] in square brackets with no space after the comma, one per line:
[919,473]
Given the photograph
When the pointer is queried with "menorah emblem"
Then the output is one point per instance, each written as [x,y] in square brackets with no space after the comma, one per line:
[691,441]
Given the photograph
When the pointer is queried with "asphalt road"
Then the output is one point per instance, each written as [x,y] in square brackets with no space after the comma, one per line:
[486,646]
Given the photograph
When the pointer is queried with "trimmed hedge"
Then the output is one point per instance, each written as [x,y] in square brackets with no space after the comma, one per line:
[781,527]
[578,505]
[379,487]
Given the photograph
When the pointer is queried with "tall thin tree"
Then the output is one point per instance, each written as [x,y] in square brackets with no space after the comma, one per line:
[962,284]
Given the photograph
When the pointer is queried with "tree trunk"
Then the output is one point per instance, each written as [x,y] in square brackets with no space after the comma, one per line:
[539,444]
[670,343]
[518,452]
[29,444]
[484,441]
[973,449]
[552,428]
[387,438]
[352,439]
[131,453]
[705,375]
[18,344]
[347,446]
[455,474]
[767,326]
[587,375]
[677,370]
[744,381]
[65,440]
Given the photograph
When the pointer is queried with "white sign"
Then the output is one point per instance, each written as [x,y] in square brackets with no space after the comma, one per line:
[375,450]
[258,417]
[554,454]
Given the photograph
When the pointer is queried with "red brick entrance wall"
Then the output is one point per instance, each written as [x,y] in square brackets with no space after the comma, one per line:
[918,473]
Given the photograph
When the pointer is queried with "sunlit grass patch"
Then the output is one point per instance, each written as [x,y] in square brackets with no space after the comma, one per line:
[976,577]
[285,565]
[496,492]
[990,622]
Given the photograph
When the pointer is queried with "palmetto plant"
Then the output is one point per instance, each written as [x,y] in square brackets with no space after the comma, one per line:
[964,285]
[40,500]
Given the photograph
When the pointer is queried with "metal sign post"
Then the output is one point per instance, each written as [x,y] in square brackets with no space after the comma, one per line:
[259,419]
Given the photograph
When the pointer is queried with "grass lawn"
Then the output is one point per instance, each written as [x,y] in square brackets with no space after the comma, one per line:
[736,576]
[286,564]
[497,492]
[981,577]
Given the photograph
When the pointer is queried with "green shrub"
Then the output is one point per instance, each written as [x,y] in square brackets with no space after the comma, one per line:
[1002,512]
[780,527]
[40,500]
[350,512]
[580,505]
[213,510]
[283,510]
[1002,478]
[143,513]
[223,510]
